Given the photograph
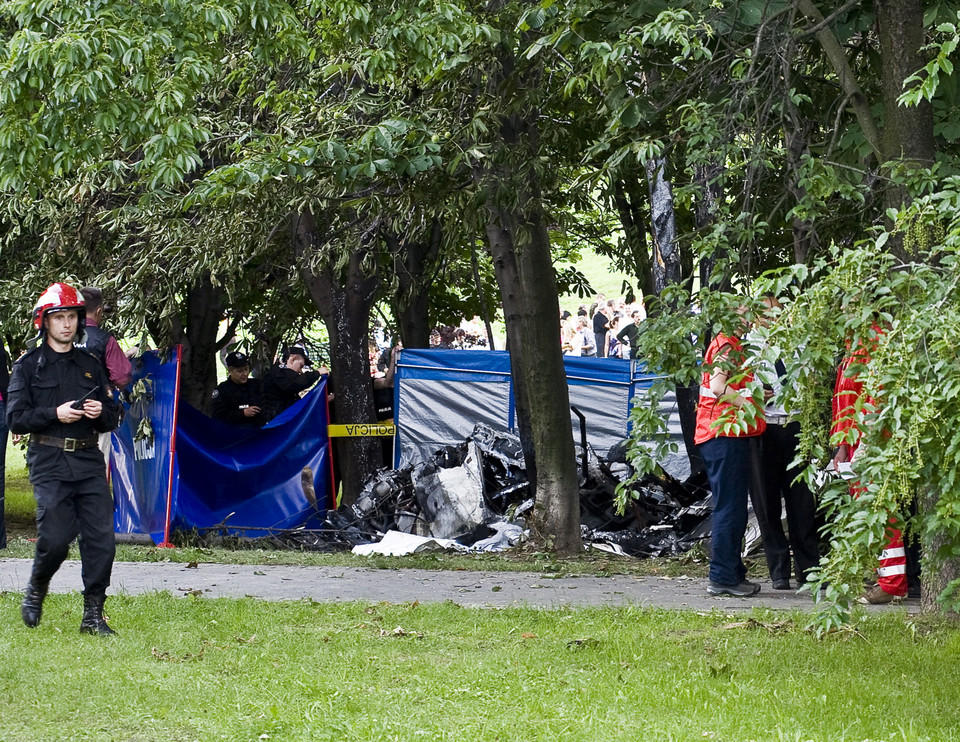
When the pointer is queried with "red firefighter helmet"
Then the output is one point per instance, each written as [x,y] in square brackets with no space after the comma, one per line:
[57,297]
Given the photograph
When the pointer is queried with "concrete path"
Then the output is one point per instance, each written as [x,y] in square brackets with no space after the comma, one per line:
[342,584]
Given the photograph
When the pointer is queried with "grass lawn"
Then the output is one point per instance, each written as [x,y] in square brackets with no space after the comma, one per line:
[18,494]
[602,278]
[201,669]
[185,669]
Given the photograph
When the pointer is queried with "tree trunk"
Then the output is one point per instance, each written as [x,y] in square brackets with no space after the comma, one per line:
[345,302]
[478,285]
[520,245]
[804,238]
[528,290]
[796,135]
[709,194]
[666,249]
[938,572]
[908,138]
[196,330]
[628,197]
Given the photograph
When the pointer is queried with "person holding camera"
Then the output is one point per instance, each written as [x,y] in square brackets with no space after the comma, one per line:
[285,383]
[59,396]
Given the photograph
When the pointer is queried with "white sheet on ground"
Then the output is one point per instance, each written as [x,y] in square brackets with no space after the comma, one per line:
[395,543]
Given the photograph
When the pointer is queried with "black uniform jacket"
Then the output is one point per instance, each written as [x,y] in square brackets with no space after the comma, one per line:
[230,399]
[42,380]
[282,387]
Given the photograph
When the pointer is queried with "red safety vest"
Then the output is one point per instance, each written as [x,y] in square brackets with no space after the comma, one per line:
[709,407]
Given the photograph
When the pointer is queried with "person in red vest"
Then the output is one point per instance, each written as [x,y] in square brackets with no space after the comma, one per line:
[726,452]
[892,571]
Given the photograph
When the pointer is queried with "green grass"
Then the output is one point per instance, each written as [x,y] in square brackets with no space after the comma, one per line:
[603,279]
[200,669]
[20,506]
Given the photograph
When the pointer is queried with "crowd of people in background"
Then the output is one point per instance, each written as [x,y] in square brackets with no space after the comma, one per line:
[607,328]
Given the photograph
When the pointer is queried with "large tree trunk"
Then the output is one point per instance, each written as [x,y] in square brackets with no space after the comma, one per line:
[516,228]
[345,302]
[528,290]
[908,140]
[908,130]
[520,245]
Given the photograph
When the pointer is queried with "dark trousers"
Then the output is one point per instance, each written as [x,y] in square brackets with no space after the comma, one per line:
[601,340]
[64,510]
[727,461]
[773,483]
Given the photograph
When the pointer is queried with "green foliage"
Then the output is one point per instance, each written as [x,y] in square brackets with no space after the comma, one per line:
[924,84]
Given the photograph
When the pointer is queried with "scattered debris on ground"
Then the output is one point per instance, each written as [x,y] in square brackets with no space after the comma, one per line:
[470,493]
[476,497]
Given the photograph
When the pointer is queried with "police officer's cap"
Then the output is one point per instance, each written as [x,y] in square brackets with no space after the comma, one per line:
[236,359]
[296,350]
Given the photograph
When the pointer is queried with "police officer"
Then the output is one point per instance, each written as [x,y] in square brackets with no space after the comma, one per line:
[285,383]
[59,395]
[239,399]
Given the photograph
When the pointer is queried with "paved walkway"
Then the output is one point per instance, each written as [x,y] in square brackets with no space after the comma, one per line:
[341,584]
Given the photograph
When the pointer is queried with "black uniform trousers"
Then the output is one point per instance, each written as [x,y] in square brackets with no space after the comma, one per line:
[65,509]
[772,482]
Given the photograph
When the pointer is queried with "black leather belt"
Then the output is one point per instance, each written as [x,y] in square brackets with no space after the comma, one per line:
[67,444]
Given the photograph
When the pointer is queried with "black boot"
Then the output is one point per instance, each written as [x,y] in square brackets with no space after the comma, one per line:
[32,606]
[93,621]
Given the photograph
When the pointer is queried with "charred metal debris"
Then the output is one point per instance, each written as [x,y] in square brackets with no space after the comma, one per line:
[477,494]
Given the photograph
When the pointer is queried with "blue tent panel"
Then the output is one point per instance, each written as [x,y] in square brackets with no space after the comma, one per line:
[251,478]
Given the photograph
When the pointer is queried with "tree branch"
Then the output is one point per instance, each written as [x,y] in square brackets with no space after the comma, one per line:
[848,81]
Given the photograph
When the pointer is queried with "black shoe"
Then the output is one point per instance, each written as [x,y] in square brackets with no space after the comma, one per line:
[781,584]
[93,621]
[744,590]
[31,609]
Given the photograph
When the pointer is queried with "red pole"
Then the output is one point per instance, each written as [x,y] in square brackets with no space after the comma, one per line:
[173,452]
[333,481]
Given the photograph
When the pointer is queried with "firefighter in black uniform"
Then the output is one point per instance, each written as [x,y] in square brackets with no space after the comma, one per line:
[239,399]
[59,395]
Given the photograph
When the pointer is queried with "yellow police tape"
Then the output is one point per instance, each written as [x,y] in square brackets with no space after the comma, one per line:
[361,430]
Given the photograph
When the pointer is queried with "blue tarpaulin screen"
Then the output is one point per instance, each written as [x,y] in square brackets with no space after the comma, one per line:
[140,471]
[246,480]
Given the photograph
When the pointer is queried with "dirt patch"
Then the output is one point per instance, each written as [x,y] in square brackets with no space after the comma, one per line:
[19,526]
